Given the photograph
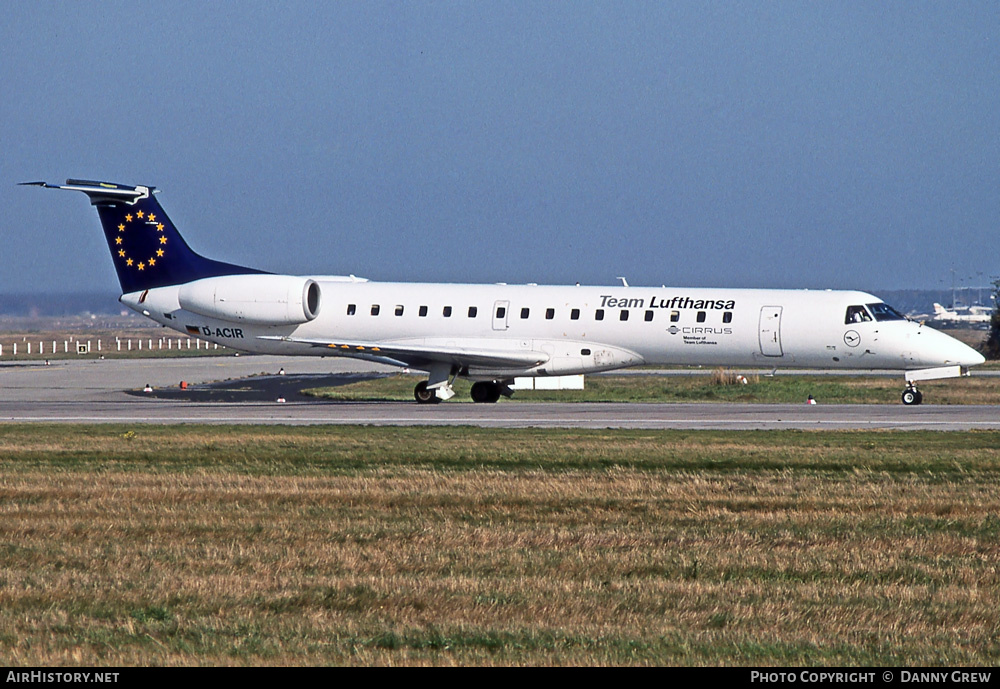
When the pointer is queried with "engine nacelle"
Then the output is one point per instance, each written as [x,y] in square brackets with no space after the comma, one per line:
[254,299]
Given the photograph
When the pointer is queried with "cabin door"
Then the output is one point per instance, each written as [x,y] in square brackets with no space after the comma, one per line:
[770,331]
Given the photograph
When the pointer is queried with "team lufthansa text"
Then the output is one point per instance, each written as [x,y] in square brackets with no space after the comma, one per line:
[608,301]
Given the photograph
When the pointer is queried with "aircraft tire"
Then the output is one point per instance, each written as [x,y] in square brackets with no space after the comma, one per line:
[423,395]
[912,396]
[485,392]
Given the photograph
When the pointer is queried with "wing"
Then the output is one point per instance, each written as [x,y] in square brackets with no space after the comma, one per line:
[421,354]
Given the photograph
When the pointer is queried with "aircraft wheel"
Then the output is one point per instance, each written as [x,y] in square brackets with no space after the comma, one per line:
[912,396]
[485,392]
[423,395]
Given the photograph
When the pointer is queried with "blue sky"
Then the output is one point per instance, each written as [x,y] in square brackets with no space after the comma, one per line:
[745,144]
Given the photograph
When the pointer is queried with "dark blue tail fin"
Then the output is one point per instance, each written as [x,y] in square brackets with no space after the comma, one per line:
[146,248]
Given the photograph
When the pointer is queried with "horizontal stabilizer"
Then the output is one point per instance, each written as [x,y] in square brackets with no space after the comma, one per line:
[100,192]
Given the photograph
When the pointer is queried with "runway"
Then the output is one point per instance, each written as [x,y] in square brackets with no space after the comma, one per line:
[107,391]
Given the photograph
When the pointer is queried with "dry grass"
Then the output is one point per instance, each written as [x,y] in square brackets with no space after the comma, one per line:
[443,546]
[727,376]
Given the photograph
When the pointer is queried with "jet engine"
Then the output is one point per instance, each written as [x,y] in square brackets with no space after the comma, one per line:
[253,299]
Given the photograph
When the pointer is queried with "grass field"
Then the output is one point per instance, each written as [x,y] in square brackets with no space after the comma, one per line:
[782,388]
[202,545]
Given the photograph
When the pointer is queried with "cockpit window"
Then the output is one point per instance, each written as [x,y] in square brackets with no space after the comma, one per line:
[857,314]
[884,312]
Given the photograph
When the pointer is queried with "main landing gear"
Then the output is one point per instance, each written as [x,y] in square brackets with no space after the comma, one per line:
[487,392]
[912,396]
[425,395]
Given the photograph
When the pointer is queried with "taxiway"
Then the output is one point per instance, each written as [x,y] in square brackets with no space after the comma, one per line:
[109,391]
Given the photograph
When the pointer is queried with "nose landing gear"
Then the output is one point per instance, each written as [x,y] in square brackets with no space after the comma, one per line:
[912,396]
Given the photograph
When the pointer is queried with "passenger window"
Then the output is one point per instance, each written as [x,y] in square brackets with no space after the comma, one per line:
[623,316]
[351,309]
[649,316]
[584,352]
[701,317]
[423,311]
[399,309]
[501,312]
[524,312]
[675,316]
[446,312]
[727,317]
[599,315]
[856,314]
[550,314]
[574,315]
[473,311]
[375,309]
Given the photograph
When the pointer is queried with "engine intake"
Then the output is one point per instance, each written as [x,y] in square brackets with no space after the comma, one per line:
[253,299]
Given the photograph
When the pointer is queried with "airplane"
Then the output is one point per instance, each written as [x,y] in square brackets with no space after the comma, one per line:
[974,314]
[492,333]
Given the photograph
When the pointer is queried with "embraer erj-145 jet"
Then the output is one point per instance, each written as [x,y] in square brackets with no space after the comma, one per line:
[492,333]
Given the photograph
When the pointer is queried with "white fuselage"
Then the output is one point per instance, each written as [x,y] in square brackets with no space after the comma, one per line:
[575,329]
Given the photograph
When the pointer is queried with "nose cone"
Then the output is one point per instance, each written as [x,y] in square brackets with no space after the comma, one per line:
[971,357]
[944,350]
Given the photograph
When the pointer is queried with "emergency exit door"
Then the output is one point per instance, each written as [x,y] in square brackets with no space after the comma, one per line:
[501,310]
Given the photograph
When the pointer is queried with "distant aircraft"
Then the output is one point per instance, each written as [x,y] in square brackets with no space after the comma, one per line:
[972,315]
[491,334]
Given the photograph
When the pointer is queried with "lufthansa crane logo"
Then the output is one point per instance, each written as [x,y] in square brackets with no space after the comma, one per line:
[140,243]
[852,338]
